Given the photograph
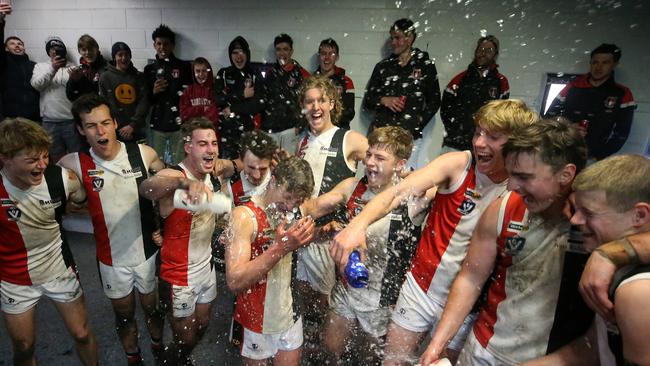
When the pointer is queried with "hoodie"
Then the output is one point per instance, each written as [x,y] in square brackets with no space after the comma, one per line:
[126,92]
[229,87]
[199,100]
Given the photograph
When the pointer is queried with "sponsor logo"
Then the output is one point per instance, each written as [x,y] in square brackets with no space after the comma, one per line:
[416,74]
[108,286]
[493,92]
[255,346]
[98,184]
[472,194]
[14,213]
[291,82]
[610,102]
[132,173]
[5,202]
[466,207]
[95,172]
[48,204]
[329,151]
[515,244]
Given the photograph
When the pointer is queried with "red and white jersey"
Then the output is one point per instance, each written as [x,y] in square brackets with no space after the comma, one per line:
[242,190]
[515,322]
[32,247]
[187,239]
[123,221]
[267,307]
[445,238]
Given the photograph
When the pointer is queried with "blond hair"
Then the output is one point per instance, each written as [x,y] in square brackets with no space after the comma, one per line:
[19,133]
[394,139]
[325,85]
[624,178]
[504,115]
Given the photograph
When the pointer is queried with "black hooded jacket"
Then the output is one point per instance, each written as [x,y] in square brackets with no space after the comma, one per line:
[164,105]
[89,81]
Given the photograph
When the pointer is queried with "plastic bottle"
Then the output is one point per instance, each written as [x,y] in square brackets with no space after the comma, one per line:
[219,203]
[355,271]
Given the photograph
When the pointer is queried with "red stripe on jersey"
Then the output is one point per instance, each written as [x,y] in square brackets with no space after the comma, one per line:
[440,227]
[249,310]
[515,210]
[13,253]
[95,209]
[352,205]
[237,192]
[175,251]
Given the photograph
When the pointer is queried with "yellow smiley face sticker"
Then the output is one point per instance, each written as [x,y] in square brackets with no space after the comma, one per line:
[125,94]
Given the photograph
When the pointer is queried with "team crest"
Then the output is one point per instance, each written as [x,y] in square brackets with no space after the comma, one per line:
[244,199]
[98,184]
[493,92]
[514,244]
[416,74]
[291,82]
[339,89]
[610,102]
[176,73]
[14,213]
[466,207]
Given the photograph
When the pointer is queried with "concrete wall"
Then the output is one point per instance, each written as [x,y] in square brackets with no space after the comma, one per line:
[536,36]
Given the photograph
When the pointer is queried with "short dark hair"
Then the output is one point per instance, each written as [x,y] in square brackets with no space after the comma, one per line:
[12,38]
[164,31]
[259,143]
[88,42]
[329,42]
[86,103]
[196,123]
[555,143]
[405,26]
[296,176]
[608,48]
[283,38]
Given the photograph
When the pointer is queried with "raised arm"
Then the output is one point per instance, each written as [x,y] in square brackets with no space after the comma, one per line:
[329,202]
[466,289]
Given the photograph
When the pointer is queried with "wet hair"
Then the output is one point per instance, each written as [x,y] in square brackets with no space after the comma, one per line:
[329,42]
[20,133]
[11,38]
[624,178]
[86,103]
[325,85]
[259,143]
[396,140]
[88,42]
[164,31]
[295,175]
[488,38]
[555,143]
[283,38]
[405,26]
[193,124]
[608,48]
[504,115]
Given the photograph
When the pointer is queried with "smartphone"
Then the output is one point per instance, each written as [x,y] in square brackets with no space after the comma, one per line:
[8,2]
[60,52]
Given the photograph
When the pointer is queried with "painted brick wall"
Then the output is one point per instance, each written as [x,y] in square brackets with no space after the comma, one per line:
[536,36]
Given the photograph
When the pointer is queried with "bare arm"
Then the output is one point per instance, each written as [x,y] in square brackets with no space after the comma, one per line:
[153,160]
[329,202]
[442,171]
[581,352]
[357,144]
[466,289]
[77,194]
[241,271]
[632,303]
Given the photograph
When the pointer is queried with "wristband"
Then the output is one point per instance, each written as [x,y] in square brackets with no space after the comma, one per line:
[620,252]
[630,251]
[234,166]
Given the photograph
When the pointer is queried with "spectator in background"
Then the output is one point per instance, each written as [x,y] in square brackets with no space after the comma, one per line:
[19,98]
[50,79]
[469,91]
[166,78]
[240,95]
[328,54]
[198,100]
[125,89]
[283,118]
[403,89]
[602,108]
[85,78]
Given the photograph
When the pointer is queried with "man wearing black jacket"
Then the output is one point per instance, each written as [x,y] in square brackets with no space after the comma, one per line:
[84,78]
[19,98]
[240,97]
[328,54]
[166,77]
[469,91]
[403,89]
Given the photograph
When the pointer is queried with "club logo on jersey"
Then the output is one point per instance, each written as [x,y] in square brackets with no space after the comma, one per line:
[176,73]
[135,172]
[493,92]
[291,82]
[610,102]
[14,213]
[95,172]
[416,74]
[466,207]
[472,194]
[339,89]
[254,346]
[98,184]
[244,199]
[517,227]
[514,244]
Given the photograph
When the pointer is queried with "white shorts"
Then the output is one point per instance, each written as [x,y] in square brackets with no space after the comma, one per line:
[259,346]
[118,282]
[17,299]
[473,354]
[316,266]
[202,291]
[417,312]
[375,322]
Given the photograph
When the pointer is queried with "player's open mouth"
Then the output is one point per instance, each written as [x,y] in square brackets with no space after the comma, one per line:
[102,142]
[483,157]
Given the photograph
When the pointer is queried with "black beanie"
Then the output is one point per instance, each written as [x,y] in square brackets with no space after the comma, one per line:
[119,46]
[53,42]
[240,43]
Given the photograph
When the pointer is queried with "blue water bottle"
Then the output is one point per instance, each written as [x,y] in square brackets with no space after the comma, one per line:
[355,271]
